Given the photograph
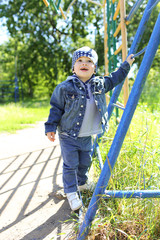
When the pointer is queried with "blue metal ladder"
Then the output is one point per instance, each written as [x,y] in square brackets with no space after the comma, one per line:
[124,123]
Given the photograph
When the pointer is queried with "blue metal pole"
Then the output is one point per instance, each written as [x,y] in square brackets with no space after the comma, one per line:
[132,194]
[154,5]
[96,141]
[133,49]
[16,89]
[99,157]
[134,10]
[122,129]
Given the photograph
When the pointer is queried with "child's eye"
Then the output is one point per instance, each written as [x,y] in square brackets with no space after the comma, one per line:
[79,60]
[89,61]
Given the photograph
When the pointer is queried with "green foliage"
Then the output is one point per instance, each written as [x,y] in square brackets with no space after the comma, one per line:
[40,49]
[7,61]
[42,42]
[150,95]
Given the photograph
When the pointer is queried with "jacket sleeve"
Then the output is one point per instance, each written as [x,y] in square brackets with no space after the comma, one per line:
[116,77]
[57,108]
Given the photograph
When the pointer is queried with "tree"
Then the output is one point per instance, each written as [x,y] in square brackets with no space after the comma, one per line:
[45,41]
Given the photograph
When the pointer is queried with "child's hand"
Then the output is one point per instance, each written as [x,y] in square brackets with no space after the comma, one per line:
[51,136]
[130,59]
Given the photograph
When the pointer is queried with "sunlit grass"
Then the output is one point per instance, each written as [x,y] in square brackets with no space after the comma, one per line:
[137,168]
[21,115]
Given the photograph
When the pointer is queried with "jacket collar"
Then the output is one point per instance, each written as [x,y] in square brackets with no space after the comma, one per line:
[74,78]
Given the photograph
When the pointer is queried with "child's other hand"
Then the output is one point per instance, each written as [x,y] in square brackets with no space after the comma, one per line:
[130,59]
[51,136]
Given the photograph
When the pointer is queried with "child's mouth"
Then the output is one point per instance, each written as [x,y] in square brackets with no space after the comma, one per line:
[84,69]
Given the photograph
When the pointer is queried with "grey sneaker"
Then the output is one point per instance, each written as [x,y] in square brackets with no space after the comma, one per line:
[83,187]
[87,186]
[74,201]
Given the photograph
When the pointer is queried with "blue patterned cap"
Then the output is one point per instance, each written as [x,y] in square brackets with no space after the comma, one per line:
[85,52]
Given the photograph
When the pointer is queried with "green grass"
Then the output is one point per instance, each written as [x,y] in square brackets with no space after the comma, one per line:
[137,167]
[21,115]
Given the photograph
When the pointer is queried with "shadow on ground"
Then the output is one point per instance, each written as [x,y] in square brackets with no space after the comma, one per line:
[28,209]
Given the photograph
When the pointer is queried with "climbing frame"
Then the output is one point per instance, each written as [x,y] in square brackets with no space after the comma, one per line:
[122,129]
[56,6]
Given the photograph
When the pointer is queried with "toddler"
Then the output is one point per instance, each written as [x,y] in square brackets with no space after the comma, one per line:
[78,110]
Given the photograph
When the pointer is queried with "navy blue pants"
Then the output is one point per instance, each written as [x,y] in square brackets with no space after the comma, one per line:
[76,155]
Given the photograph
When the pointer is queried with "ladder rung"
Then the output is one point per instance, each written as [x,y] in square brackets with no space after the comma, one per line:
[111,57]
[132,194]
[117,30]
[118,50]
[46,3]
[117,11]
[63,15]
[115,105]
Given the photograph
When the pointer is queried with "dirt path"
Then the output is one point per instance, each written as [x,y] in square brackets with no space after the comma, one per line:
[31,170]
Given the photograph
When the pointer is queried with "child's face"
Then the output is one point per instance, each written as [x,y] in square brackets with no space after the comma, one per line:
[84,68]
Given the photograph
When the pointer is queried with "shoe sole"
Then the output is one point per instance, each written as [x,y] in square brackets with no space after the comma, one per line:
[76,208]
